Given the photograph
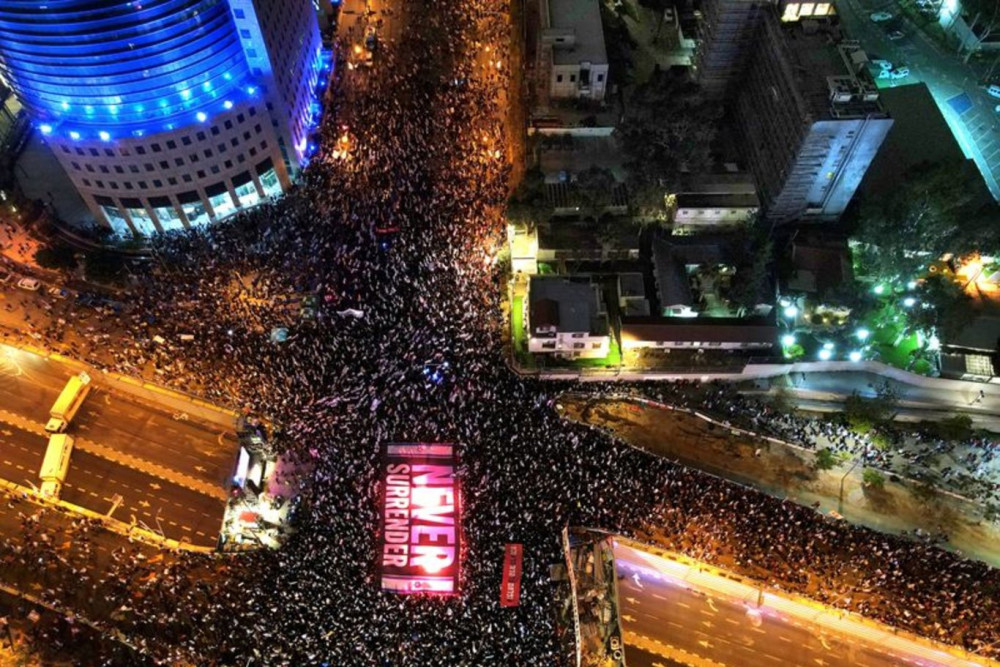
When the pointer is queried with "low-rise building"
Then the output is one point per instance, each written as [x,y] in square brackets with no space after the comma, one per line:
[632,301]
[712,202]
[708,333]
[586,241]
[566,317]
[573,59]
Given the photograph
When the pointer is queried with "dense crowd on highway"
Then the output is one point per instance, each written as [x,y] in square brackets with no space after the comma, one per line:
[396,236]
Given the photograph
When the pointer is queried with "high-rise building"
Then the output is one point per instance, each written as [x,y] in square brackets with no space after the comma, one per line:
[811,119]
[167,114]
[726,34]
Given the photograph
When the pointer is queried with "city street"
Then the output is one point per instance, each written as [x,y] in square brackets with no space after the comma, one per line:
[667,617]
[966,106]
[165,473]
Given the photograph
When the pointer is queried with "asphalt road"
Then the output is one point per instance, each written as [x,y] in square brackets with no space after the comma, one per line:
[151,502]
[21,454]
[977,127]
[665,610]
[28,387]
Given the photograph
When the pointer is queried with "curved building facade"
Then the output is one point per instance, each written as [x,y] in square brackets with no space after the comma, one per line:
[167,113]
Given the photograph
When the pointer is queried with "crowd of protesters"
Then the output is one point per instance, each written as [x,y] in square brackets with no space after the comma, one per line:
[381,267]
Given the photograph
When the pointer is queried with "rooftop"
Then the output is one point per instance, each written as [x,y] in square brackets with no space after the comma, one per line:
[561,234]
[583,18]
[816,62]
[717,200]
[708,330]
[569,304]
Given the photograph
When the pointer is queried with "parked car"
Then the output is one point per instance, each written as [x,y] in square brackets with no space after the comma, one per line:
[879,17]
[993,90]
[29,284]
[57,292]
[882,64]
[900,72]
[896,34]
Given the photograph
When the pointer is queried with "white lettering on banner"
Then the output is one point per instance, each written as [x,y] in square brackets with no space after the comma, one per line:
[419,516]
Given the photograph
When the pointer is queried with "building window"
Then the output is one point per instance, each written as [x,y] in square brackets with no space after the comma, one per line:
[600,78]
[171,145]
[133,168]
[172,181]
[201,136]
[578,346]
[208,152]
[164,164]
[215,131]
[215,169]
[229,164]
[148,166]
[118,169]
[128,185]
[558,78]
[108,152]
[186,178]
[186,141]
[240,118]
[246,136]
[157,183]
[193,157]
[141,150]
[238,13]
[141,185]
[86,182]
[178,162]
[156,148]
[229,124]
[201,173]
[572,78]
[103,168]
[93,152]
[233,142]
[76,165]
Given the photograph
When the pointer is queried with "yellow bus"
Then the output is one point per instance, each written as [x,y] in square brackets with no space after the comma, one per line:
[55,465]
[68,403]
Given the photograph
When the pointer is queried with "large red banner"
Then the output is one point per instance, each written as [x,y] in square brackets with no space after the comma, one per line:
[420,519]
[510,588]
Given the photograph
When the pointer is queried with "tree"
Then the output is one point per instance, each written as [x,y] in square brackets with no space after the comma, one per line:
[58,256]
[824,459]
[529,205]
[956,428]
[944,307]
[594,188]
[102,266]
[665,128]
[938,209]
[872,478]
[863,414]
[753,274]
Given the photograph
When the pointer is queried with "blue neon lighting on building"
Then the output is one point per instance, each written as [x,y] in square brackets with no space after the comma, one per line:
[122,68]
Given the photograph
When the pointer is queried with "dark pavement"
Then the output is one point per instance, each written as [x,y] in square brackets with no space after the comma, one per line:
[663,609]
[143,433]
